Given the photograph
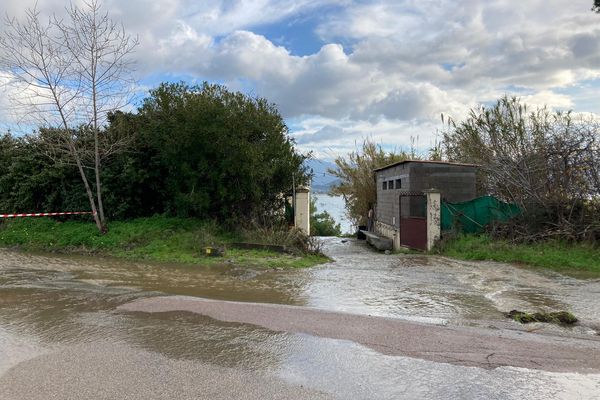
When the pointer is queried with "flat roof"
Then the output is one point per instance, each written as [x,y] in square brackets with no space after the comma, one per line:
[426,162]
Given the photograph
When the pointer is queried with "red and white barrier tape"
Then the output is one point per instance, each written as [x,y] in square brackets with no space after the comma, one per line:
[46,214]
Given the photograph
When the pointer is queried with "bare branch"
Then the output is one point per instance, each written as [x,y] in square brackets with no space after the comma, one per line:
[70,74]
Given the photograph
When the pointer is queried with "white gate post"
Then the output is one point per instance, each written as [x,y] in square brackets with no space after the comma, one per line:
[302,209]
[434,217]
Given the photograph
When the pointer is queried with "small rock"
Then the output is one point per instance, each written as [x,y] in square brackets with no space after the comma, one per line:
[558,317]
[387,252]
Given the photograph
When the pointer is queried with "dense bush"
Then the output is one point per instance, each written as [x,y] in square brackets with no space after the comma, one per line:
[31,182]
[193,151]
[548,163]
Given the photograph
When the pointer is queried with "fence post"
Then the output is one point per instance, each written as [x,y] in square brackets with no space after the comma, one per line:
[396,241]
[302,209]
[434,219]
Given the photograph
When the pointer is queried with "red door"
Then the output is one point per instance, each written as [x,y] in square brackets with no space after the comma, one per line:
[413,222]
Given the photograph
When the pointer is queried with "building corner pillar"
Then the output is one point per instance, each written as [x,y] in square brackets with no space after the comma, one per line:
[434,217]
[302,209]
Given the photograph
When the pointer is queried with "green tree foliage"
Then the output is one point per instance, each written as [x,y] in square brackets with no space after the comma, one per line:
[322,223]
[194,151]
[220,154]
[357,180]
[29,181]
[596,6]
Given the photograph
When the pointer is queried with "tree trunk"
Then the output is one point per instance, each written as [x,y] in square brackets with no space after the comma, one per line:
[99,183]
[99,224]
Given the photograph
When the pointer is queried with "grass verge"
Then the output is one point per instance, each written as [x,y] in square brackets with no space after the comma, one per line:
[160,239]
[559,256]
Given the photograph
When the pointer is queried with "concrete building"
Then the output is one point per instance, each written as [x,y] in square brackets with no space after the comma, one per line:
[455,183]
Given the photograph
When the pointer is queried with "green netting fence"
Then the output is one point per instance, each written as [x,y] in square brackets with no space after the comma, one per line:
[472,216]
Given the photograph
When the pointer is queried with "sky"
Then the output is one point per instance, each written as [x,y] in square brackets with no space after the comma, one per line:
[341,71]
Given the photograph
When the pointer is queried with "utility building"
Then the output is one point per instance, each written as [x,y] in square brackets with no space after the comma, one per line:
[401,201]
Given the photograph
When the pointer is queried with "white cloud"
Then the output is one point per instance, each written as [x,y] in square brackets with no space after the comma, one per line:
[25,107]
[402,62]
[328,138]
[550,99]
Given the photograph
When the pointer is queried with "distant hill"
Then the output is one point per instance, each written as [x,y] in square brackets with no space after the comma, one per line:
[322,180]
[324,187]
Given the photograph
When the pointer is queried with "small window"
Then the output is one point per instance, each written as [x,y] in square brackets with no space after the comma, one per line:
[390,185]
[398,183]
[385,185]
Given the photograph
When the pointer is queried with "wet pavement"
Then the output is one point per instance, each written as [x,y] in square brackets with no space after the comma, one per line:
[62,335]
[467,346]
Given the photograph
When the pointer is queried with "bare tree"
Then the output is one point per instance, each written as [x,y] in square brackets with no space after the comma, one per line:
[70,74]
[545,161]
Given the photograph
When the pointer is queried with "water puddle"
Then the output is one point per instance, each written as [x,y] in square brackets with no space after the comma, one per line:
[48,301]
[16,348]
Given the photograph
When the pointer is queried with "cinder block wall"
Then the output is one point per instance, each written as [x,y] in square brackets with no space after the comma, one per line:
[387,200]
[455,182]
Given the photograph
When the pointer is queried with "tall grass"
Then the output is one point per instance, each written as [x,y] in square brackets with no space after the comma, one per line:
[156,238]
[556,255]
[293,239]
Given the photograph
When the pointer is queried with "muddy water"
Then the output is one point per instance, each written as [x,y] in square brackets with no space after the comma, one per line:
[48,303]
[439,289]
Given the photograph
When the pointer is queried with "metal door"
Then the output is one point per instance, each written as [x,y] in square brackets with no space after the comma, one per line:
[412,208]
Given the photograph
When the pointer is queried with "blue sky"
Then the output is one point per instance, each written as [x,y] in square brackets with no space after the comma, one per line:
[343,70]
[298,33]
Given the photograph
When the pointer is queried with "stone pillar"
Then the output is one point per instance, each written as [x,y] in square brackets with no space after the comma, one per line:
[302,210]
[434,217]
[396,241]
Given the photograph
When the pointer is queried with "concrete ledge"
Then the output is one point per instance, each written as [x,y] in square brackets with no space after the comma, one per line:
[380,243]
[260,246]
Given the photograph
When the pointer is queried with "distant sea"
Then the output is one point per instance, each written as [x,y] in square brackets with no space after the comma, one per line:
[336,207]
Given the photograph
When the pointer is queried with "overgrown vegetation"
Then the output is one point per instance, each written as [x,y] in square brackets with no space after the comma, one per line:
[546,162]
[292,239]
[161,239]
[558,255]
[194,151]
[70,74]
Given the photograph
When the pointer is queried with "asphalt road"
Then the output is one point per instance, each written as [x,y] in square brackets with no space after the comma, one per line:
[108,371]
[486,348]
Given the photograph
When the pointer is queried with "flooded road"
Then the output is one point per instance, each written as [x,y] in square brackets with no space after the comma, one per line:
[61,331]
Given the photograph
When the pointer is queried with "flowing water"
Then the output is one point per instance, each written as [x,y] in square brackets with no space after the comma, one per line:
[51,303]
